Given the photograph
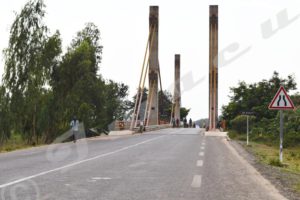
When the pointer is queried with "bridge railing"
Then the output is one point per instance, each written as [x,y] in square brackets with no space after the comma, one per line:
[153,127]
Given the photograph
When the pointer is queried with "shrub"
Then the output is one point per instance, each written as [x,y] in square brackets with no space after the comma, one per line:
[291,140]
[275,162]
[232,134]
[239,123]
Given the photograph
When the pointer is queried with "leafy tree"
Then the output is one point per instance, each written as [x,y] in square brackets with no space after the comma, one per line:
[29,59]
[116,105]
[43,90]
[184,112]
[5,123]
[239,123]
[79,90]
[165,105]
[131,104]
[256,97]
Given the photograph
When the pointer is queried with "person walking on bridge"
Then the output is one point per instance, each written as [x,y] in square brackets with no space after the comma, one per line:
[75,128]
[177,123]
[173,122]
[190,123]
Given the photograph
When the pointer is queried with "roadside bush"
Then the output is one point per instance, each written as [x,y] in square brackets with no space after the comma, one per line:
[232,134]
[275,162]
[239,123]
[268,139]
[291,140]
[236,136]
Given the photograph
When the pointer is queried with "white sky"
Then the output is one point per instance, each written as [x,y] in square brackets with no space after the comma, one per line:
[183,29]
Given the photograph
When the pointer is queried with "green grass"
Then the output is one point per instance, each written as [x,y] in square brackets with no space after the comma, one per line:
[275,162]
[297,187]
[14,143]
[266,149]
[270,155]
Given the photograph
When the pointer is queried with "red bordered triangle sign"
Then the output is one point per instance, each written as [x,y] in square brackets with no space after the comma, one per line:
[281,101]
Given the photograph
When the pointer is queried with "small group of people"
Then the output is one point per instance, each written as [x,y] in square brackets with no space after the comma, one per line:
[186,124]
[175,122]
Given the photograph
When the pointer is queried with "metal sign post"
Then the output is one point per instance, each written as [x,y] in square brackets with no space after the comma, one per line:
[281,136]
[281,102]
[248,113]
[247,130]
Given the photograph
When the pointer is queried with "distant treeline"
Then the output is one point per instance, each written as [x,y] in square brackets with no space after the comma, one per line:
[256,98]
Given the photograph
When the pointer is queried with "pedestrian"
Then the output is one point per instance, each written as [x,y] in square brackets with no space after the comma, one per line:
[173,122]
[184,123]
[141,126]
[75,128]
[177,122]
[190,123]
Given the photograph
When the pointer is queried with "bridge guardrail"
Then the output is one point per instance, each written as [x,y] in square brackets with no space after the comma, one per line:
[152,128]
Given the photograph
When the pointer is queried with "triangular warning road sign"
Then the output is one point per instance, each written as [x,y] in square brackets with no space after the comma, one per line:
[281,101]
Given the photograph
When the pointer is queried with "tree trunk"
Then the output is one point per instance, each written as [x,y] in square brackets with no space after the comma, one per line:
[34,135]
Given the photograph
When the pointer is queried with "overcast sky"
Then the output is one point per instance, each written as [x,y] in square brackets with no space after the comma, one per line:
[256,37]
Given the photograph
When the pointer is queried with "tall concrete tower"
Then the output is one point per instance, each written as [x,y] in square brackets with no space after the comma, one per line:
[153,66]
[177,93]
[213,67]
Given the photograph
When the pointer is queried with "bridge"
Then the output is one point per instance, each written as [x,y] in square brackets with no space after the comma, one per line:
[151,70]
[166,164]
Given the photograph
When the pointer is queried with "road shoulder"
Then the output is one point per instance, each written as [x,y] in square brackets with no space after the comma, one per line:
[282,180]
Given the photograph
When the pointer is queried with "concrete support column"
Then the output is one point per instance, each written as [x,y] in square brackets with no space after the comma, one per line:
[177,93]
[153,66]
[213,67]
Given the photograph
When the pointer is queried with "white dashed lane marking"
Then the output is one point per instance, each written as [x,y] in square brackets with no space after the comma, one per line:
[201,154]
[197,180]
[199,163]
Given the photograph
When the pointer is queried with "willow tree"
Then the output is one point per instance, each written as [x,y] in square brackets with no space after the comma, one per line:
[29,60]
[5,126]
[80,90]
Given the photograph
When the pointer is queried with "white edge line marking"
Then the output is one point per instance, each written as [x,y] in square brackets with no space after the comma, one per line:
[255,175]
[199,163]
[77,163]
[101,178]
[197,180]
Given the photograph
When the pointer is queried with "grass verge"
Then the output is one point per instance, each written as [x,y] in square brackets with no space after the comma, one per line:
[15,143]
[268,154]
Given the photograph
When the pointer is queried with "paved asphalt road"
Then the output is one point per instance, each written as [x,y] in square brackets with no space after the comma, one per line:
[169,164]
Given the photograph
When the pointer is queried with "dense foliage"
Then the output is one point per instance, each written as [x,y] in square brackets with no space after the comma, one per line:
[164,104]
[264,123]
[44,89]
